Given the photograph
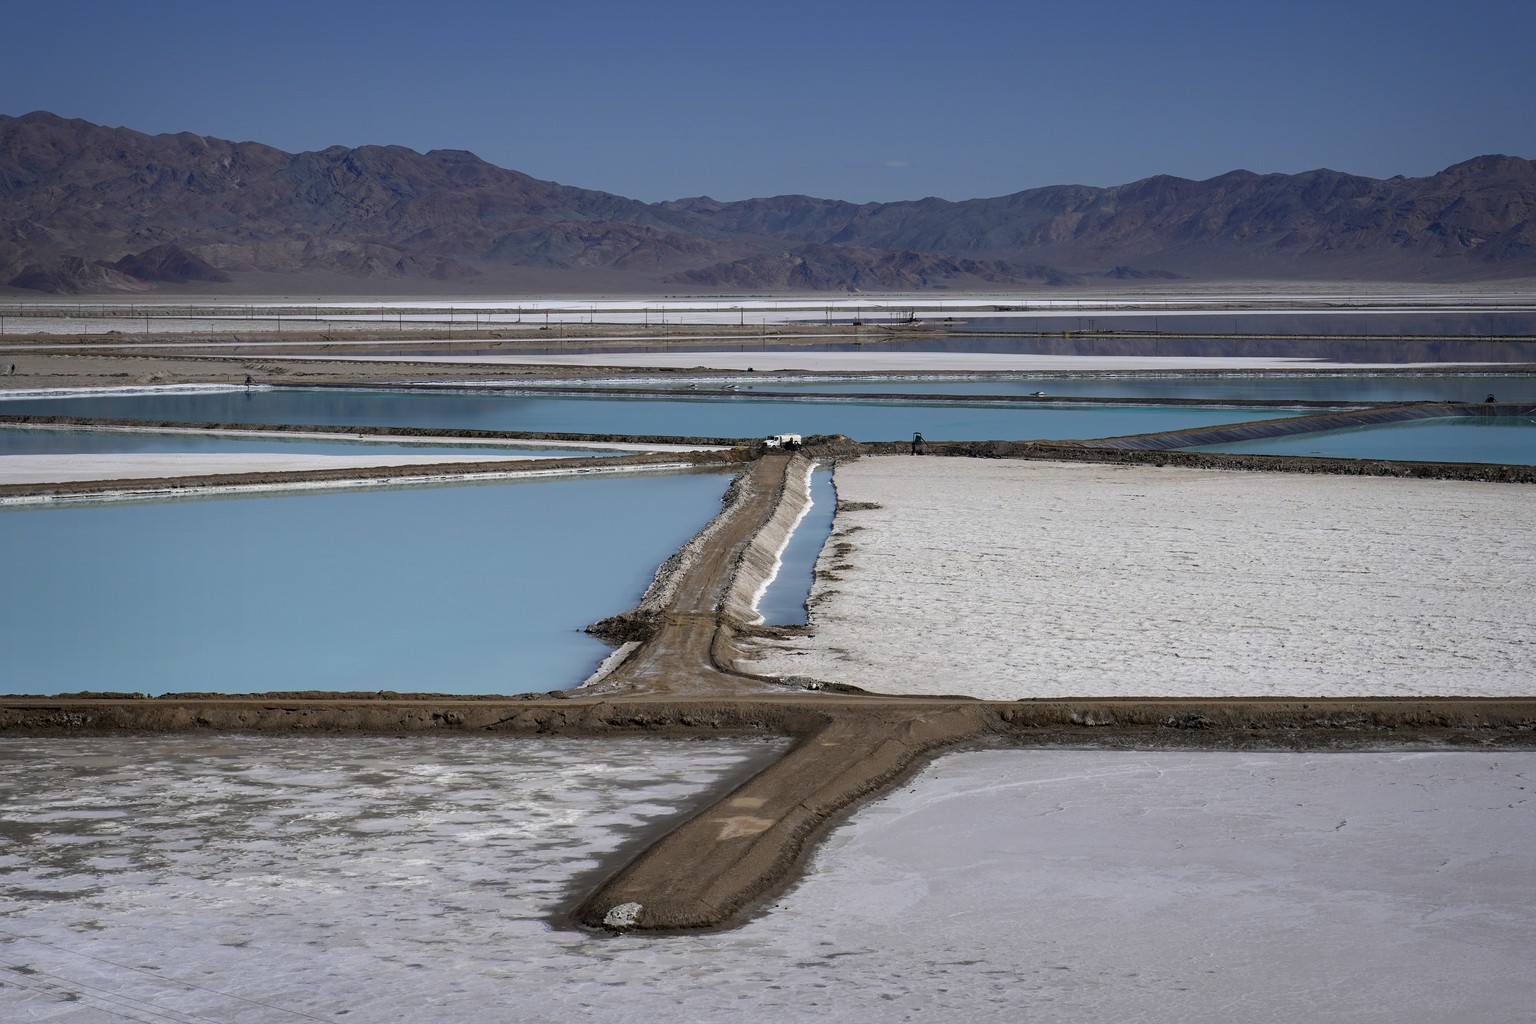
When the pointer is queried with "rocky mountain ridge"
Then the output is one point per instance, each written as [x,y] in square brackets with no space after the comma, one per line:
[86,208]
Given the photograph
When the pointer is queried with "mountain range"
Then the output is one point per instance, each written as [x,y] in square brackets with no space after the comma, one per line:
[89,209]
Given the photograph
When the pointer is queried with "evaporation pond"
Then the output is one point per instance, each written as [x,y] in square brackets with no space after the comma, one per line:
[1504,440]
[1224,387]
[465,589]
[58,441]
[736,416]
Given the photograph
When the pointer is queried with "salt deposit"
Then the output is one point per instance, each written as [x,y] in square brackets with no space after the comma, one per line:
[261,880]
[34,469]
[1005,580]
[1057,886]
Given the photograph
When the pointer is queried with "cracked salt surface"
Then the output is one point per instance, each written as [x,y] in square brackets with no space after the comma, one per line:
[224,877]
[243,880]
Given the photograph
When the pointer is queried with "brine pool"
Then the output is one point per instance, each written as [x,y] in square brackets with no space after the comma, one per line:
[1509,440]
[456,589]
[1229,387]
[424,880]
[1502,440]
[468,589]
[712,416]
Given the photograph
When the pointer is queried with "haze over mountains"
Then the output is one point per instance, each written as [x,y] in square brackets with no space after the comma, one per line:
[90,209]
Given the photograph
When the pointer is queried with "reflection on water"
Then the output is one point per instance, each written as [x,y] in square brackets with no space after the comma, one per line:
[480,589]
[1503,440]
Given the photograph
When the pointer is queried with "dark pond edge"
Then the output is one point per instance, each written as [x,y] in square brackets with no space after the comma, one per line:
[1188,437]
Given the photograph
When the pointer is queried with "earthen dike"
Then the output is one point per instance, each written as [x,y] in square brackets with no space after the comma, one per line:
[683,676]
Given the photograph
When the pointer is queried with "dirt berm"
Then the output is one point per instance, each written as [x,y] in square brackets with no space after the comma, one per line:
[716,868]
[680,680]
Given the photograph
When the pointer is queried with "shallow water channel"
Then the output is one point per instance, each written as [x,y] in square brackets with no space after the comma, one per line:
[463,589]
[783,602]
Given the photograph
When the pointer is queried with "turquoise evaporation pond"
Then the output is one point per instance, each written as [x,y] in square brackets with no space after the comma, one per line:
[36,441]
[465,589]
[1225,387]
[1505,440]
[720,416]
[783,603]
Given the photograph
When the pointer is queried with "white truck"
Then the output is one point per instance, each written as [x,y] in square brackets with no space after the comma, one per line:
[786,441]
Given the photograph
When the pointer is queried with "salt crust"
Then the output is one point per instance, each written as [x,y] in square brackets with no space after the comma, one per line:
[74,466]
[30,469]
[1007,580]
[409,880]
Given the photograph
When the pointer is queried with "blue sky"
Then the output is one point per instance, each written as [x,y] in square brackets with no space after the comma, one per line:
[854,100]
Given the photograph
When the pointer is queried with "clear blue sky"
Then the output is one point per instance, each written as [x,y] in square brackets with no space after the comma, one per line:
[854,100]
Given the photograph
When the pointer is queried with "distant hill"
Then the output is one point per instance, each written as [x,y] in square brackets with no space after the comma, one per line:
[88,209]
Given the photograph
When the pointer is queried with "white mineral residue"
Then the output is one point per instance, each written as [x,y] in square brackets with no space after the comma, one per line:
[1070,886]
[61,468]
[1013,579]
[251,880]
[259,880]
